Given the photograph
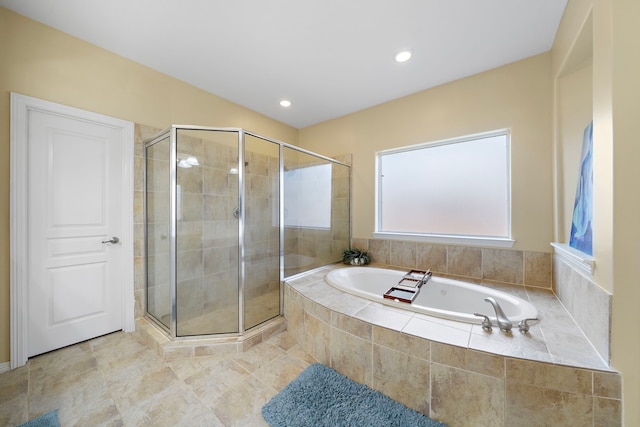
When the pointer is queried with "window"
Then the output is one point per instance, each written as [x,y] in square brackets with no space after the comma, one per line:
[307,197]
[447,190]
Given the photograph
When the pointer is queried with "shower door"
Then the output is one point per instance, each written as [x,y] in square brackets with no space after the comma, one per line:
[207,230]
[261,230]
[192,230]
[157,209]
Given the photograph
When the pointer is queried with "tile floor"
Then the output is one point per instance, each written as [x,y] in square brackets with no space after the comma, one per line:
[116,380]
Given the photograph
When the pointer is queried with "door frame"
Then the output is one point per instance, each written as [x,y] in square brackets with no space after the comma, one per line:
[19,268]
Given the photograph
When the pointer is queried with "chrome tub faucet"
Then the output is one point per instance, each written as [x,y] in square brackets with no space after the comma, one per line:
[523,326]
[503,321]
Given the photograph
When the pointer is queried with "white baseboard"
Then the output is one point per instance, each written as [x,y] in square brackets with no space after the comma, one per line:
[5,367]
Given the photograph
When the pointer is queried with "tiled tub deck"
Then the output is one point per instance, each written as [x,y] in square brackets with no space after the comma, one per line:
[455,372]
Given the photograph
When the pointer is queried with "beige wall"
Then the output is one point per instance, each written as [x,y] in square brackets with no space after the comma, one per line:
[616,105]
[47,64]
[626,201]
[574,113]
[516,96]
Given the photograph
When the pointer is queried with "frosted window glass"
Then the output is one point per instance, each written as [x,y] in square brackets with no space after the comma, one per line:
[454,188]
[307,197]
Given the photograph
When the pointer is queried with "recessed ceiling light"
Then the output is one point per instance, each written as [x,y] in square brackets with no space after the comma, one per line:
[285,103]
[403,56]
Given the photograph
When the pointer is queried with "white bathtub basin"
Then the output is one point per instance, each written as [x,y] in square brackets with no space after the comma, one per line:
[440,297]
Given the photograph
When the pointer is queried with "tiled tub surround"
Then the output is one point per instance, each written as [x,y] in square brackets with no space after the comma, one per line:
[456,372]
[471,263]
[589,304]
[586,302]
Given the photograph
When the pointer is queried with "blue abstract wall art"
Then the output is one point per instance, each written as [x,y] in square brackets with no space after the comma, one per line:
[581,235]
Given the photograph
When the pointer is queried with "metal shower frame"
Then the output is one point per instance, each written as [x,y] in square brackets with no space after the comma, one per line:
[173,133]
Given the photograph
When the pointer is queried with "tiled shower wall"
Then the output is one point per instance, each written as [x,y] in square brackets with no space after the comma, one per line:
[321,246]
[206,229]
[141,134]
[262,233]
[207,242]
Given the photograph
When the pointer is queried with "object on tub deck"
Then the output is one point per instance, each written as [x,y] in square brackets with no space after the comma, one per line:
[414,279]
[406,290]
[422,276]
[409,284]
[401,295]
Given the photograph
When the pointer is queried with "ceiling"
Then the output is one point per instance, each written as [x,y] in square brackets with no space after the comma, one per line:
[328,57]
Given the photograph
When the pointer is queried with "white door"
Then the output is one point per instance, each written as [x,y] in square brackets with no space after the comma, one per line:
[74,228]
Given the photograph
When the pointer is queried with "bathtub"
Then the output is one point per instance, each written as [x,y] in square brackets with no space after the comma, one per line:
[439,297]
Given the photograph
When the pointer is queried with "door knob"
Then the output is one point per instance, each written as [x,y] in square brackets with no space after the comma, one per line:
[113,240]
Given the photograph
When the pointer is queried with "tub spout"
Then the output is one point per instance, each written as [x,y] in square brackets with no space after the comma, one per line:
[503,321]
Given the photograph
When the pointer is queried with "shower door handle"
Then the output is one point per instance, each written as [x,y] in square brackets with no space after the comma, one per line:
[236,212]
[113,240]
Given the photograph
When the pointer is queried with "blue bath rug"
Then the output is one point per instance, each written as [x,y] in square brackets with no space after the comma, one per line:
[50,419]
[320,396]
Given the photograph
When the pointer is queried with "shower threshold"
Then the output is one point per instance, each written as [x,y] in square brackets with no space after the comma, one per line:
[159,341]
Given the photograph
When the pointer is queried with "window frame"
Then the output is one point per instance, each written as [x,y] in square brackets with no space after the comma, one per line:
[464,239]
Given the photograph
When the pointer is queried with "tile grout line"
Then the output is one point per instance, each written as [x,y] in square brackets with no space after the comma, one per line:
[106,383]
[504,391]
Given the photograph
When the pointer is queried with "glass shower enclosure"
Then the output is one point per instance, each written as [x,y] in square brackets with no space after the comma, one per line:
[229,215]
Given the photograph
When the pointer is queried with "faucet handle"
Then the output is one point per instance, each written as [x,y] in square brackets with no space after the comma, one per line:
[524,326]
[486,322]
